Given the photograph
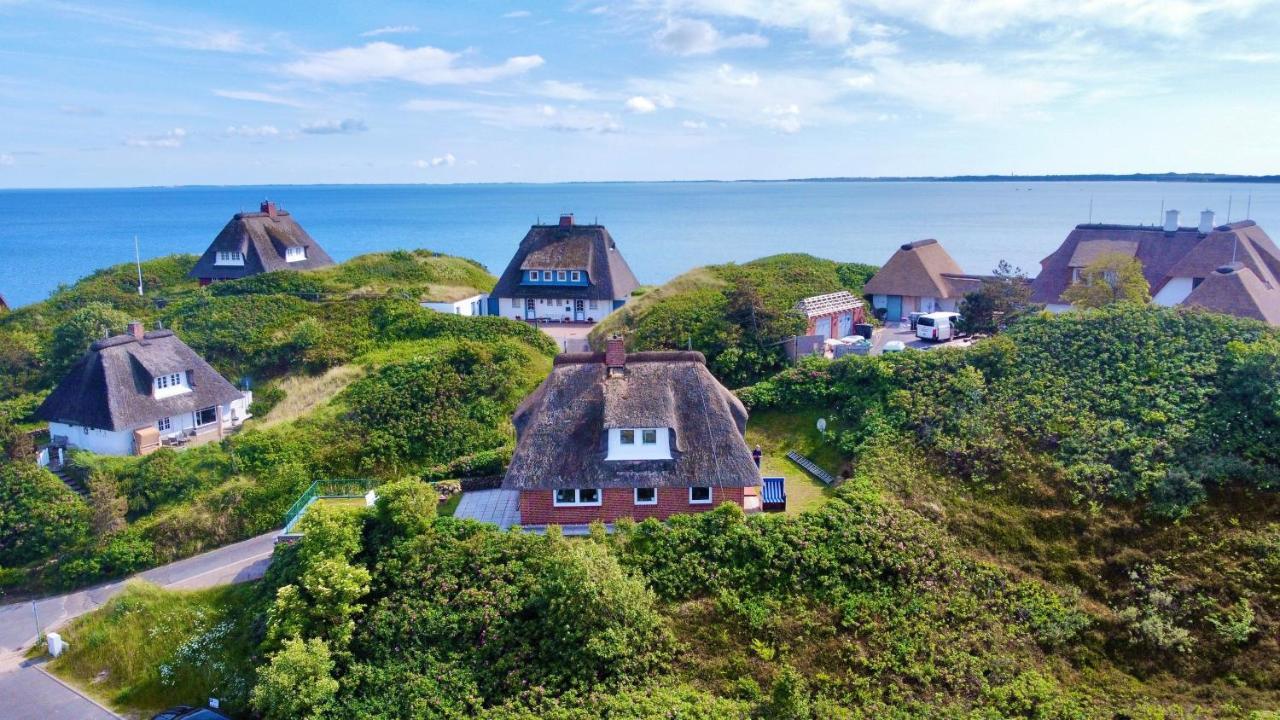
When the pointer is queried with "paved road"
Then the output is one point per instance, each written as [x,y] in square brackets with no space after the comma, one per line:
[240,562]
[29,693]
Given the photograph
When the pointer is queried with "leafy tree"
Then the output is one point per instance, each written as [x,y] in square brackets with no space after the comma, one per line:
[999,300]
[405,508]
[297,682]
[72,337]
[1111,278]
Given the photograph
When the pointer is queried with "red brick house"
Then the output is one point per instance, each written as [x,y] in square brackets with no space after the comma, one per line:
[615,434]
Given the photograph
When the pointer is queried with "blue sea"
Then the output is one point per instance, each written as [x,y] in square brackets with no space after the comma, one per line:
[50,237]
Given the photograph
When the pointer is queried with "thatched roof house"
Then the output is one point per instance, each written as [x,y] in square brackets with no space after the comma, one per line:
[563,272]
[1176,262]
[140,381]
[920,277]
[1235,289]
[253,243]
[618,434]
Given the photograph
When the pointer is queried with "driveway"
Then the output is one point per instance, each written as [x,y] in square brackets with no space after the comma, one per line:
[903,333]
[240,562]
[571,337]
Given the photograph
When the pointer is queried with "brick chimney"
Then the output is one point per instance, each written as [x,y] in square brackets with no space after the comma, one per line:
[566,220]
[269,208]
[135,329]
[615,355]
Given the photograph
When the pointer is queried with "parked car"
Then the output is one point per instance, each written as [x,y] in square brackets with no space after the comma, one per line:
[937,326]
[894,346]
[186,712]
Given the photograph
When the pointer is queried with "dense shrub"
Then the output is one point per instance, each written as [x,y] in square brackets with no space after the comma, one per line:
[39,514]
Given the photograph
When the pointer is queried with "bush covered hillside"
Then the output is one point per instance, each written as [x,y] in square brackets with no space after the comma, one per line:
[1076,519]
[734,314]
[351,379]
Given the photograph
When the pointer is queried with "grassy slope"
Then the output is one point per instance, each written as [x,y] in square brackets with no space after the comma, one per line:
[779,432]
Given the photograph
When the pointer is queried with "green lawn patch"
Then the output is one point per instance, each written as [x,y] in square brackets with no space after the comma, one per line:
[777,432]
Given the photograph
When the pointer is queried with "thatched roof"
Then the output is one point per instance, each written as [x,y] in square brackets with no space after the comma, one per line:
[110,387]
[569,247]
[1235,289]
[917,269]
[4,305]
[562,428]
[829,303]
[1185,252]
[262,237]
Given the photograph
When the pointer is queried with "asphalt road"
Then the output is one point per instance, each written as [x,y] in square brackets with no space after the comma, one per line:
[27,692]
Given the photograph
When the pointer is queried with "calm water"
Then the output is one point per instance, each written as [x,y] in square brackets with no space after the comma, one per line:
[48,237]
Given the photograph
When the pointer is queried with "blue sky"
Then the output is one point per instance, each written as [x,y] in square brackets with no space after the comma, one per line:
[234,92]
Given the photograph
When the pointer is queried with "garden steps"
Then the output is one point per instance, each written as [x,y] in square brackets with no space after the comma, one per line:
[810,467]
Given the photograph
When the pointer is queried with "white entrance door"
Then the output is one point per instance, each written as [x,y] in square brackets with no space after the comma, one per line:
[529,312]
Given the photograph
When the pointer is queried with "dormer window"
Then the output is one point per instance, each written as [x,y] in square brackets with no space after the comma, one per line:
[546,276]
[170,385]
[639,444]
[295,254]
[229,257]
[561,275]
[533,276]
[576,275]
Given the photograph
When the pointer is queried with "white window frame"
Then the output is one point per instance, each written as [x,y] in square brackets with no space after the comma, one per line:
[710,495]
[295,254]
[533,276]
[195,416]
[561,276]
[645,433]
[576,276]
[228,257]
[635,496]
[164,424]
[546,276]
[577,497]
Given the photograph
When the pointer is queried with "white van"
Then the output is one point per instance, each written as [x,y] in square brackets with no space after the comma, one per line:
[938,326]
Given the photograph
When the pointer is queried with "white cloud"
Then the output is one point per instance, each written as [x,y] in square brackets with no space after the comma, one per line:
[6,160]
[683,36]
[968,91]
[346,126]
[640,105]
[171,139]
[825,21]
[255,96]
[539,116]
[566,91]
[585,122]
[784,118]
[695,125]
[387,61]
[873,48]
[860,82]
[390,30]
[517,14]
[446,160]
[1252,58]
[726,75]
[227,41]
[251,131]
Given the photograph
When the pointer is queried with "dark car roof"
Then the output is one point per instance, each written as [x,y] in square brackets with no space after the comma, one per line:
[186,712]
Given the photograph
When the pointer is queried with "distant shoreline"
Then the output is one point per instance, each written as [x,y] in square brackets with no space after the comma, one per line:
[1095,177]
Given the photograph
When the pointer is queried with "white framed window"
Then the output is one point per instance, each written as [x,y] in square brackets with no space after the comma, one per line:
[594,304]
[561,275]
[646,496]
[546,274]
[295,254]
[699,496]
[627,437]
[164,424]
[577,276]
[575,497]
[206,416]
[228,257]
[649,437]
[533,276]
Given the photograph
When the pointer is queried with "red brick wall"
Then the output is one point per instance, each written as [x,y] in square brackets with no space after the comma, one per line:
[537,508]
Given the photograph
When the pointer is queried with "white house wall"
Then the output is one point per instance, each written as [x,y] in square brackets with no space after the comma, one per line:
[102,442]
[468,307]
[1173,292]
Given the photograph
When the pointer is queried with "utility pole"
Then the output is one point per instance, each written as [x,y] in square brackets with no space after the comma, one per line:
[137,260]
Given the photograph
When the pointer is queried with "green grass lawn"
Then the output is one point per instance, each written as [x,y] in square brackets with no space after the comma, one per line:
[776,432]
[450,506]
[150,648]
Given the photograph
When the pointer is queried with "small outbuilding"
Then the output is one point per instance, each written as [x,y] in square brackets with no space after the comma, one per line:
[616,434]
[832,315]
[253,243]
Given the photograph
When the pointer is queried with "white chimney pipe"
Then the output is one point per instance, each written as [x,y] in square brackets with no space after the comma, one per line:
[1171,221]
[1206,221]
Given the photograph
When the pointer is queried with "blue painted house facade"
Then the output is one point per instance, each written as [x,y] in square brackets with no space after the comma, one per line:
[563,273]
